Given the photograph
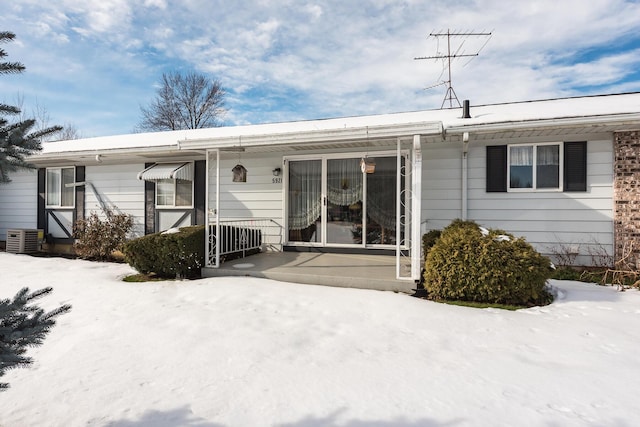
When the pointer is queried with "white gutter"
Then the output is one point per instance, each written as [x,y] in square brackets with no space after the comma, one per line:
[632,119]
[315,136]
[42,157]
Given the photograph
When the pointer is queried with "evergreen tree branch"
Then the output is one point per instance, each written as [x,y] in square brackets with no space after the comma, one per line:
[22,326]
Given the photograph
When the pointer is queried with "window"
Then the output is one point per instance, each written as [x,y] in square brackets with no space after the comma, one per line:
[531,167]
[59,194]
[174,193]
[534,167]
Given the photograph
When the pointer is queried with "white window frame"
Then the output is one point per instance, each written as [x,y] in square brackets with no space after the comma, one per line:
[60,189]
[535,168]
[175,195]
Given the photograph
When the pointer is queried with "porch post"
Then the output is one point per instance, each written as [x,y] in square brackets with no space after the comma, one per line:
[399,219]
[416,208]
[209,211]
[217,212]
[207,260]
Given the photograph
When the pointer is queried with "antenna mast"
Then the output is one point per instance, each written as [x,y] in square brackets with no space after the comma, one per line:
[450,95]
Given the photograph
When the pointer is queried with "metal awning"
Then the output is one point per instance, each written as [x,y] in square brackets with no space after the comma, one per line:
[167,171]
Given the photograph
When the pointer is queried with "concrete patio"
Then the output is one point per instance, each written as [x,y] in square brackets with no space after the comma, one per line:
[328,269]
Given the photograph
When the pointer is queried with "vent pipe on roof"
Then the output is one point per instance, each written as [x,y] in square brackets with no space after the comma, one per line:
[465,109]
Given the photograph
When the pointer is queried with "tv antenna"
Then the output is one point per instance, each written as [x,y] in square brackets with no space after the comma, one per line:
[450,94]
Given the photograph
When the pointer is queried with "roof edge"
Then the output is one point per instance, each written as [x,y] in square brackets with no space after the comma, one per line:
[596,120]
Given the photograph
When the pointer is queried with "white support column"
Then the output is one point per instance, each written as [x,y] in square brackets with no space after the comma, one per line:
[399,219]
[207,249]
[217,212]
[416,208]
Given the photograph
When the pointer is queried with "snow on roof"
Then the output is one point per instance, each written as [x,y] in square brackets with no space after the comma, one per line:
[577,107]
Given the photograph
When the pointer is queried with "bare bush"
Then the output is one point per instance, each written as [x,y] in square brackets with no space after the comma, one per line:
[564,254]
[97,239]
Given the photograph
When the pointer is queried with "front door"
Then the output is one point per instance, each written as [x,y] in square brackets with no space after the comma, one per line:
[332,202]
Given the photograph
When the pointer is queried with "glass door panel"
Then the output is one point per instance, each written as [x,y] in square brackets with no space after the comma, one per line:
[305,201]
[330,202]
[344,201]
[381,202]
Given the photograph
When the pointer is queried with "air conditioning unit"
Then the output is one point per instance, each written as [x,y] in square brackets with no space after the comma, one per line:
[22,241]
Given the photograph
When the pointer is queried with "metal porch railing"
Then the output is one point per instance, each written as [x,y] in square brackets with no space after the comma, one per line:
[239,237]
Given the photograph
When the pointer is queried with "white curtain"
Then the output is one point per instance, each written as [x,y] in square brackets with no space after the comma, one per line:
[67,192]
[521,156]
[548,155]
[344,181]
[53,187]
[381,193]
[305,186]
[344,188]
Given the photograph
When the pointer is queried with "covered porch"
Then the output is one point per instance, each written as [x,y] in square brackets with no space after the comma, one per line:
[362,271]
[317,204]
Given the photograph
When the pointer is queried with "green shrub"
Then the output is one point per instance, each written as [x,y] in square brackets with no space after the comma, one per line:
[428,240]
[97,238]
[566,273]
[466,265]
[168,255]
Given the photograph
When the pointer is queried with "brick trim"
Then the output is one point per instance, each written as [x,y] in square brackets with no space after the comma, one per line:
[626,196]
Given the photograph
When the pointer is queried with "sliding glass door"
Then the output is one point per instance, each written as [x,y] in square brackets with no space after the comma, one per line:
[332,202]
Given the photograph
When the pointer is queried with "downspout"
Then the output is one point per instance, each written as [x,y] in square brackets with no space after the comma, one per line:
[465,151]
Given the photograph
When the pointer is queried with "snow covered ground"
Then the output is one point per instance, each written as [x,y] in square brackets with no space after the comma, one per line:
[253,352]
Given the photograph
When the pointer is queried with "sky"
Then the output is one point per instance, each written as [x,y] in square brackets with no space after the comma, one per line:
[94,63]
[243,351]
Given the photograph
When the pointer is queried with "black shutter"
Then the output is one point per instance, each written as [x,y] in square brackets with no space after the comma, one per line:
[149,205]
[496,168]
[42,214]
[575,166]
[200,192]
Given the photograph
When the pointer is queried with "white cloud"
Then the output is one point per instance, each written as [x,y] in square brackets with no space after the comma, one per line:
[160,4]
[314,10]
[97,17]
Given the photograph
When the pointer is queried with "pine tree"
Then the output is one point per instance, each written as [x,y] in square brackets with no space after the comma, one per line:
[22,326]
[17,140]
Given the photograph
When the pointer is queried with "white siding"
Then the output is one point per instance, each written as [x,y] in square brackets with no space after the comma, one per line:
[119,188]
[441,184]
[259,197]
[60,230]
[19,202]
[551,221]
[169,218]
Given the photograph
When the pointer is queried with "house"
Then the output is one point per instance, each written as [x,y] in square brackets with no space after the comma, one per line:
[563,173]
